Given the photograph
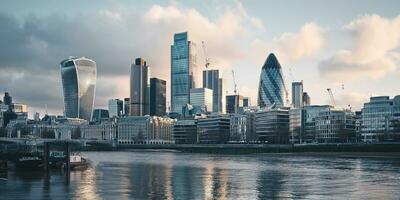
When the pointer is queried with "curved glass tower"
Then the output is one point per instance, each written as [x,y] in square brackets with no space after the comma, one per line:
[271,89]
[79,83]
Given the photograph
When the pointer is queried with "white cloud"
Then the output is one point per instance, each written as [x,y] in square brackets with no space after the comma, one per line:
[375,39]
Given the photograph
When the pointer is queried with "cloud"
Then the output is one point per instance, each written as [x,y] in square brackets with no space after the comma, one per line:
[353,99]
[373,54]
[33,46]
[295,46]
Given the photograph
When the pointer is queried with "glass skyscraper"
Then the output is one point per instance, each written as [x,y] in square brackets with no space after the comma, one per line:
[79,83]
[271,89]
[140,88]
[183,71]
[158,96]
[297,94]
[212,81]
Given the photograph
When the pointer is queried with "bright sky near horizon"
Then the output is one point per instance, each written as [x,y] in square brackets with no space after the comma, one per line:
[326,44]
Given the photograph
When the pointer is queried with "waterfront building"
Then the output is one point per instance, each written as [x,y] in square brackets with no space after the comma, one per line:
[7,99]
[140,88]
[79,84]
[272,125]
[306,99]
[185,131]
[250,113]
[214,130]
[145,130]
[103,131]
[183,71]
[158,95]
[335,125]
[115,107]
[202,98]
[233,103]
[127,106]
[297,94]
[238,128]
[310,114]
[271,90]
[381,119]
[296,125]
[100,115]
[358,125]
[212,80]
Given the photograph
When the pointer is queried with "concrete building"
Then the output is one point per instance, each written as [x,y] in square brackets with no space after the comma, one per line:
[140,88]
[297,94]
[212,80]
[233,103]
[335,125]
[272,125]
[158,95]
[115,107]
[214,129]
[105,130]
[185,131]
[203,98]
[381,119]
[183,71]
[79,85]
[238,128]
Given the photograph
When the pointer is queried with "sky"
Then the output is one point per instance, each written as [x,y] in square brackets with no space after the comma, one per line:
[349,46]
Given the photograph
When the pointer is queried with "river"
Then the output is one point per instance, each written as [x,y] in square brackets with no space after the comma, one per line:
[175,175]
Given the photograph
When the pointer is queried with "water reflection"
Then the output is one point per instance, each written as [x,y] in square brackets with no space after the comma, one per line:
[161,175]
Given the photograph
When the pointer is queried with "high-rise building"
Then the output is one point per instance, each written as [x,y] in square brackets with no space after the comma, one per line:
[115,107]
[127,106]
[271,89]
[7,99]
[140,88]
[203,98]
[183,71]
[246,101]
[158,95]
[79,84]
[297,94]
[233,102]
[306,99]
[100,114]
[212,81]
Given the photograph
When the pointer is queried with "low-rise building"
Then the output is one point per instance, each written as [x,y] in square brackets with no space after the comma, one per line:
[272,125]
[214,130]
[185,131]
[238,128]
[335,125]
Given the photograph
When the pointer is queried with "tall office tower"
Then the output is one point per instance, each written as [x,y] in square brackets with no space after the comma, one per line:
[271,89]
[79,85]
[297,94]
[246,101]
[203,98]
[140,88]
[306,99]
[158,95]
[212,81]
[127,106]
[115,107]
[183,71]
[233,102]
[7,99]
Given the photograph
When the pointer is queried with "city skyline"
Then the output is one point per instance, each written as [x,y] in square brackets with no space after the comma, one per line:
[338,47]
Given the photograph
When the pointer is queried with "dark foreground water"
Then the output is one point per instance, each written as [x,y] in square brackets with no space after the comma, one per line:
[170,175]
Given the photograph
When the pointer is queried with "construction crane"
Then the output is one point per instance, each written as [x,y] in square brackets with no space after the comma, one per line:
[331,96]
[207,59]
[234,83]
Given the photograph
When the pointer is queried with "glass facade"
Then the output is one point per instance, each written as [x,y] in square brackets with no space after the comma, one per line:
[79,83]
[297,94]
[157,97]
[271,90]
[212,81]
[140,88]
[183,71]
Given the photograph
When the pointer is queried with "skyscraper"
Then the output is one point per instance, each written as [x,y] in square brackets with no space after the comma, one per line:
[115,107]
[212,81]
[271,89]
[127,106]
[183,71]
[7,99]
[203,98]
[140,88]
[158,94]
[79,83]
[297,94]
[233,102]
[306,99]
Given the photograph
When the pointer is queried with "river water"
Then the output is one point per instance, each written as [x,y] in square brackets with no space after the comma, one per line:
[173,175]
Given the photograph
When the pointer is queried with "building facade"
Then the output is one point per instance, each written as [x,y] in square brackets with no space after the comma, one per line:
[310,116]
[185,131]
[214,129]
[100,114]
[79,84]
[140,88]
[127,106]
[306,99]
[297,94]
[238,128]
[115,107]
[335,125]
[202,98]
[271,90]
[158,95]
[212,80]
[296,125]
[233,103]
[272,125]
[183,71]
